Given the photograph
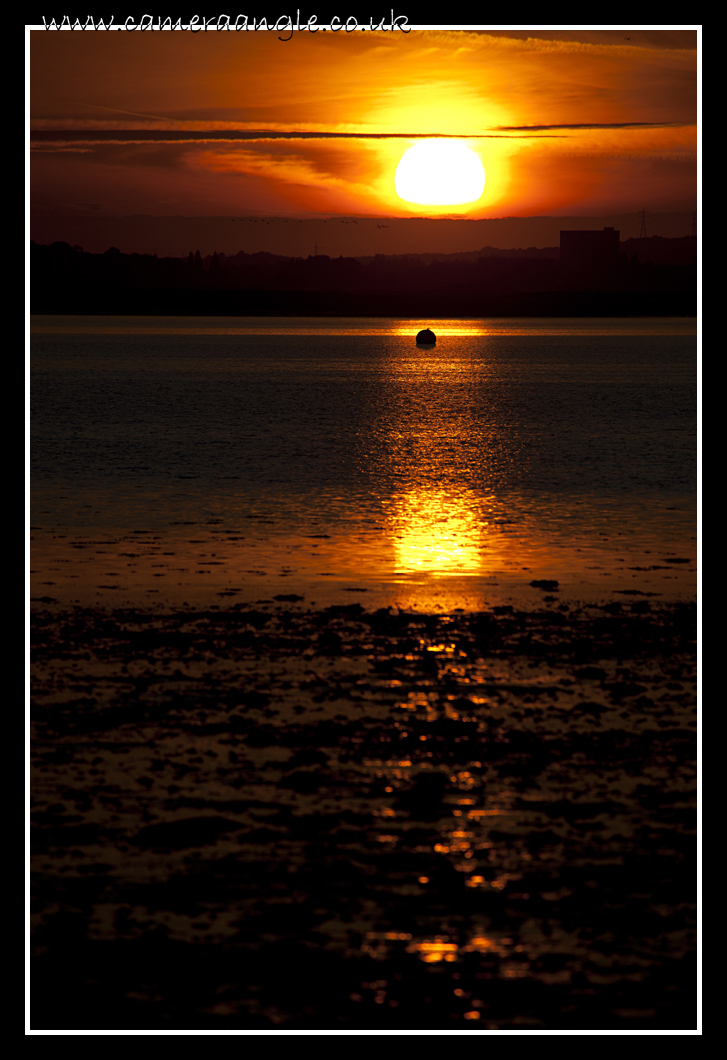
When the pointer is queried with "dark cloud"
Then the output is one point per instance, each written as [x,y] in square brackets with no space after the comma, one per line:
[261,135]
[672,39]
[598,125]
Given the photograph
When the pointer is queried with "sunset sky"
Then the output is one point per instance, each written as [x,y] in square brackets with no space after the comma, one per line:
[174,123]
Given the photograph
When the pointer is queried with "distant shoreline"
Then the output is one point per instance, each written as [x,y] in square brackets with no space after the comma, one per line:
[67,279]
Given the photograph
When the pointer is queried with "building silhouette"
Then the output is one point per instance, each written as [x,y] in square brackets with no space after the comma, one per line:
[589,247]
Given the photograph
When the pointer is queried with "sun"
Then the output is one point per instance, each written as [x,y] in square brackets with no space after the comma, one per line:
[439,173]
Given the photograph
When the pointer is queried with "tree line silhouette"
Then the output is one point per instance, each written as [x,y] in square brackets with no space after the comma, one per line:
[66,278]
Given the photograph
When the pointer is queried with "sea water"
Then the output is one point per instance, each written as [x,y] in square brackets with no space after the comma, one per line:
[203,457]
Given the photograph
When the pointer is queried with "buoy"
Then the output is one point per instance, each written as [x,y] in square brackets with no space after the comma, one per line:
[426,338]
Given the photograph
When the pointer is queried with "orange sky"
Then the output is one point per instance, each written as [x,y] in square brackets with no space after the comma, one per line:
[480,86]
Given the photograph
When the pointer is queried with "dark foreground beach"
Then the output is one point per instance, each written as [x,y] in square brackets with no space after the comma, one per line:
[267,817]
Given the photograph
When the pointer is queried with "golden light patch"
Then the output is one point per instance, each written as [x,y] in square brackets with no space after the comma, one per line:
[436,532]
[432,951]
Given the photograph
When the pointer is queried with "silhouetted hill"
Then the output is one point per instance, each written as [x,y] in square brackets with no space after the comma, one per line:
[67,279]
[467,255]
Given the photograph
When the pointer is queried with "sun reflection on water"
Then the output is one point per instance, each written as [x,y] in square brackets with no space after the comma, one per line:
[436,532]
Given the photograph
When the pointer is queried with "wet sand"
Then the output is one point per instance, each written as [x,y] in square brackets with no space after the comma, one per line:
[210,565]
[268,815]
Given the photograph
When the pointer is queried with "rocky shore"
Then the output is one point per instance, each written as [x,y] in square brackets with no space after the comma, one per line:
[266,817]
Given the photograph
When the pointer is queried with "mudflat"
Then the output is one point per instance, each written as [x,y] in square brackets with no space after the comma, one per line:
[263,816]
